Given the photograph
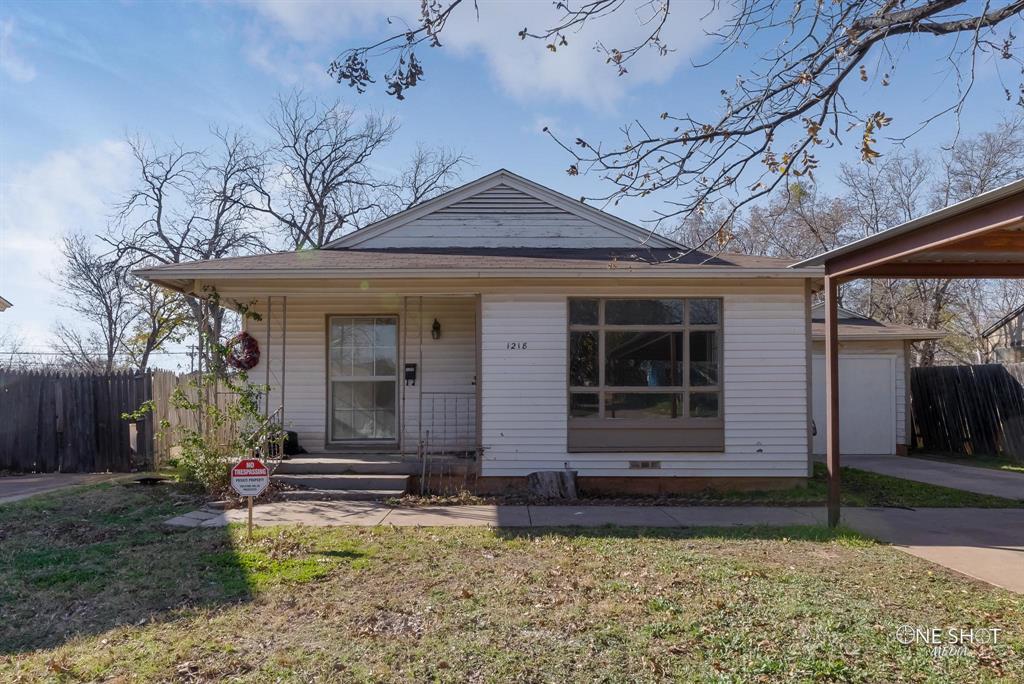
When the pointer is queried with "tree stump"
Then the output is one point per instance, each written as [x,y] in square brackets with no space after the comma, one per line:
[552,484]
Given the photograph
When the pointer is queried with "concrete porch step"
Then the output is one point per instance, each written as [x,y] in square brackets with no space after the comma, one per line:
[351,481]
[346,465]
[340,494]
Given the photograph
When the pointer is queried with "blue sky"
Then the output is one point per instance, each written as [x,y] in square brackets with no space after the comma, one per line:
[76,77]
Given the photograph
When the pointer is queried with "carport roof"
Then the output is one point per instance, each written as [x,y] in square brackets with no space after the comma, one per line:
[982,237]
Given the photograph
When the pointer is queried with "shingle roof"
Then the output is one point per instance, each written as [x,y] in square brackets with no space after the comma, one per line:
[331,261]
[862,328]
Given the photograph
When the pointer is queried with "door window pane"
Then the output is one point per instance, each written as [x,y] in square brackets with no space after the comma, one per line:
[583,405]
[703,358]
[363,355]
[583,368]
[643,359]
[643,311]
[642,405]
[704,311]
[583,311]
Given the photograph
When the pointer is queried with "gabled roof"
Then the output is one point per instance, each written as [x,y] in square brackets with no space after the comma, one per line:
[854,326]
[1019,311]
[517,182]
[4,304]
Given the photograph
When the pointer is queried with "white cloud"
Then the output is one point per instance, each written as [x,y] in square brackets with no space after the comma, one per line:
[524,68]
[11,64]
[66,190]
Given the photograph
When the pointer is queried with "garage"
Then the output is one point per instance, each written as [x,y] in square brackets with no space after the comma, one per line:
[873,380]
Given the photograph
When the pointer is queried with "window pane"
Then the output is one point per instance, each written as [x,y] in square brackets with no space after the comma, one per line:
[642,405]
[704,405]
[384,332]
[704,311]
[583,311]
[583,359]
[583,405]
[703,358]
[643,359]
[643,311]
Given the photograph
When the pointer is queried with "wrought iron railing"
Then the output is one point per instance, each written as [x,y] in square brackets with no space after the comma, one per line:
[448,435]
[268,439]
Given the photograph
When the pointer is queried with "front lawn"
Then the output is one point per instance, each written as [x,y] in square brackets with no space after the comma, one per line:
[94,588]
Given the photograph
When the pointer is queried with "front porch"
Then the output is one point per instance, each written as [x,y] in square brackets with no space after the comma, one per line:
[380,389]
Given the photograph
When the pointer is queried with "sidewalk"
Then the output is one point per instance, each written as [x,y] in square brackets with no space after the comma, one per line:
[1006,484]
[987,544]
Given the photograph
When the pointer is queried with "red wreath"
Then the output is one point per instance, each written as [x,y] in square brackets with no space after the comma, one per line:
[243,351]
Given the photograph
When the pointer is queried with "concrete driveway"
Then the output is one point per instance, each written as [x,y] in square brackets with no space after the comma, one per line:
[17,487]
[968,478]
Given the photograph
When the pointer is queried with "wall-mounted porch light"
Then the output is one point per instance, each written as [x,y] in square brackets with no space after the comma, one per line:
[435,330]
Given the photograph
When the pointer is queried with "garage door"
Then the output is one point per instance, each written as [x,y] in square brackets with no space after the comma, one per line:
[867,404]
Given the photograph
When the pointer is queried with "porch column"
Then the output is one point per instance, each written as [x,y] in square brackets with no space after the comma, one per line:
[832,396]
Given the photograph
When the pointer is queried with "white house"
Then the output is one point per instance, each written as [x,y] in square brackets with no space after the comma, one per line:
[504,328]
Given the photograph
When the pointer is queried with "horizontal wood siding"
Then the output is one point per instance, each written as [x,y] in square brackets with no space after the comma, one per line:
[499,217]
[524,423]
[446,373]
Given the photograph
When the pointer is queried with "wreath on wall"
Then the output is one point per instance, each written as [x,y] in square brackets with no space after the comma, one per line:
[243,351]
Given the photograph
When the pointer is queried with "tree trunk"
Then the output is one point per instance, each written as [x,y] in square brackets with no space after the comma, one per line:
[552,484]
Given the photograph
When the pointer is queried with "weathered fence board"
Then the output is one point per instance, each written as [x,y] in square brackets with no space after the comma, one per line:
[62,422]
[969,409]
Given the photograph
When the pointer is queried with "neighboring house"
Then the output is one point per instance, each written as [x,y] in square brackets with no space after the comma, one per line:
[4,304]
[1004,339]
[508,323]
[874,381]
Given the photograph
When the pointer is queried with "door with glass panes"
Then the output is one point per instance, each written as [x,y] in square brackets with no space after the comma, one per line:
[363,379]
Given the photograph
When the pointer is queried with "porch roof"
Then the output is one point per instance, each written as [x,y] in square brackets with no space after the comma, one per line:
[476,263]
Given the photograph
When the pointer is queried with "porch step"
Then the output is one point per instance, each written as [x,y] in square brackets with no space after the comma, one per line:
[395,484]
[340,494]
[339,465]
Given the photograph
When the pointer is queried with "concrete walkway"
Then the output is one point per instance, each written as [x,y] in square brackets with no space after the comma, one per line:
[968,478]
[17,487]
[987,544]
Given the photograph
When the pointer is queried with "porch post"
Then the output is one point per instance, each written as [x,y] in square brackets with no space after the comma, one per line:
[832,396]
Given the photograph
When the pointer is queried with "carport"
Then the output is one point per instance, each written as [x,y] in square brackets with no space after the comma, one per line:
[979,238]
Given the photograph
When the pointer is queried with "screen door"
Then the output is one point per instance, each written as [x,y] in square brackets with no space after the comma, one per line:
[363,378]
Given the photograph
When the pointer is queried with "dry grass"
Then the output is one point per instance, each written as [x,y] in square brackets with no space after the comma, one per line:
[401,604]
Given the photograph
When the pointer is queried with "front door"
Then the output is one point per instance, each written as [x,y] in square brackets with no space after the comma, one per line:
[363,358]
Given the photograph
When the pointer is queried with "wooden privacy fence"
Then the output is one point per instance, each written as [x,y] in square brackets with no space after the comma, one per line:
[68,422]
[170,419]
[969,409]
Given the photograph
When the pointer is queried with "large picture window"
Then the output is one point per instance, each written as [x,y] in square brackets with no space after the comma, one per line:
[645,374]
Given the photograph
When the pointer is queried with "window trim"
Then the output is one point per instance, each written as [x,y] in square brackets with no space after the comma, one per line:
[646,434]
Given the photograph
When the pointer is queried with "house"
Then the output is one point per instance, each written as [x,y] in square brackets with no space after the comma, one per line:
[503,328]
[874,367]
[1004,339]
[4,304]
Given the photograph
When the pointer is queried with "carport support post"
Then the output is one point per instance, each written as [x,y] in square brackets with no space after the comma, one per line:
[832,396]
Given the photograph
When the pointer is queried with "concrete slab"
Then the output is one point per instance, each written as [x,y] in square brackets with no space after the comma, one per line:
[18,487]
[1002,483]
[313,514]
[460,516]
[736,516]
[596,516]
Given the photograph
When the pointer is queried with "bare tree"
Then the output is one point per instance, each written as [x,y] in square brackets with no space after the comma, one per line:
[318,181]
[185,207]
[95,287]
[793,100]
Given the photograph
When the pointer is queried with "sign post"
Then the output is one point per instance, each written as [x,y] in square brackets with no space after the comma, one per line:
[249,477]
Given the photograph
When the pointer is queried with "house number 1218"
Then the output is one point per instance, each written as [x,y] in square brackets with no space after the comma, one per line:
[515,346]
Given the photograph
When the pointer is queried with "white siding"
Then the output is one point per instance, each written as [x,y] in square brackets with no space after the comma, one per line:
[893,349]
[524,425]
[448,365]
[499,217]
